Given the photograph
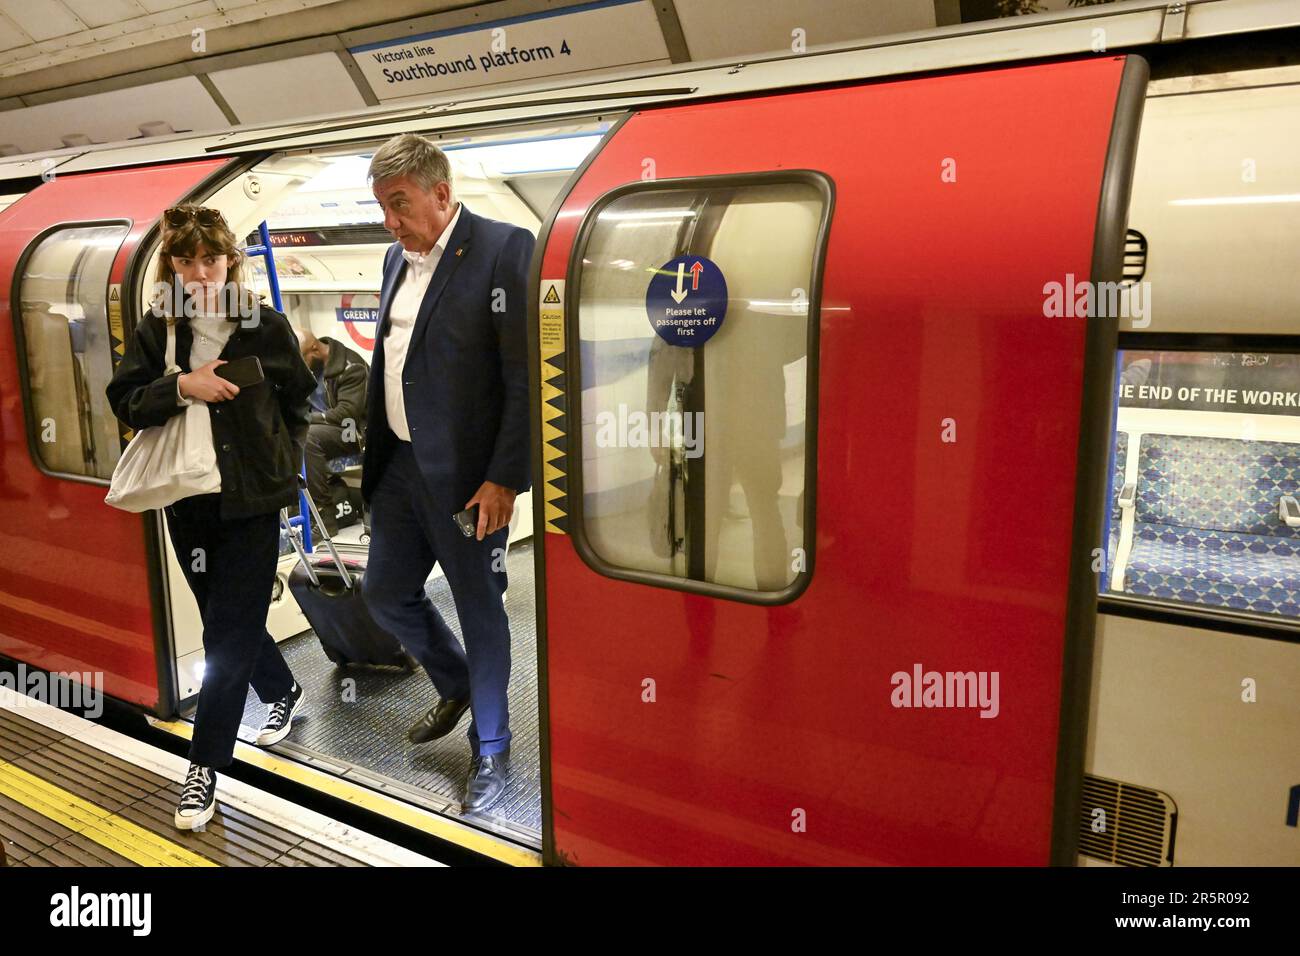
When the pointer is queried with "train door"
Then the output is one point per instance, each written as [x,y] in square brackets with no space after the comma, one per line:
[78,582]
[329,243]
[823,425]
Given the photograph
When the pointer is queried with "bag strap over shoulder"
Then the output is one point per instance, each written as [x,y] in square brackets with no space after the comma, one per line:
[170,358]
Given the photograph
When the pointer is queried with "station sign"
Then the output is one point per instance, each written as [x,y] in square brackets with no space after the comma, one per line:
[590,36]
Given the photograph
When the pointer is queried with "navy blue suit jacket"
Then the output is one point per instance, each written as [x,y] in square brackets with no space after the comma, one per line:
[465,381]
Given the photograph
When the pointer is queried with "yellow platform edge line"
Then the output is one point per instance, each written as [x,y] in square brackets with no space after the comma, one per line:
[426,821]
[138,844]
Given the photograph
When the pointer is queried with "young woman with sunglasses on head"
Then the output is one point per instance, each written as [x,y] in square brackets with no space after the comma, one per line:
[227,542]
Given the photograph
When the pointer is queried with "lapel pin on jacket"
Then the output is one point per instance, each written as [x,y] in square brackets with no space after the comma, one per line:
[460,250]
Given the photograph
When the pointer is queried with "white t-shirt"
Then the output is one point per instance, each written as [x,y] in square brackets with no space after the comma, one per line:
[211,332]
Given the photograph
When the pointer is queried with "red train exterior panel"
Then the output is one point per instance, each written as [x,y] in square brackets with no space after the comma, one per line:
[951,555]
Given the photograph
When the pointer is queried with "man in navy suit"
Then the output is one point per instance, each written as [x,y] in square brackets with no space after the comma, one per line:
[448,430]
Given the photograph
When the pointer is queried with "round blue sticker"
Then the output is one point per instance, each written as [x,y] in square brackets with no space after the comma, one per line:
[686,300]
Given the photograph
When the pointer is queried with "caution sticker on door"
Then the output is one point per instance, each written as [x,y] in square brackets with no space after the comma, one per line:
[117,338]
[551,339]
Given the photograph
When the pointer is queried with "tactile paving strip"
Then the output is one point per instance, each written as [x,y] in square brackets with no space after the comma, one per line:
[358,716]
[130,793]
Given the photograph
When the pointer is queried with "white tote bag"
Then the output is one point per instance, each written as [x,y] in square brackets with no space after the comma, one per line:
[168,462]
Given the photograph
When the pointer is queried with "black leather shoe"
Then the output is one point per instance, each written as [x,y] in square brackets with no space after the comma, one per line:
[439,721]
[487,781]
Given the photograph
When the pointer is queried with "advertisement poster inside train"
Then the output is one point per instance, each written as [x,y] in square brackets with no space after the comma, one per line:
[1243,382]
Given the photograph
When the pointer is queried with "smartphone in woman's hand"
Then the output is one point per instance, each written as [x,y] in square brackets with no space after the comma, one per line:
[243,372]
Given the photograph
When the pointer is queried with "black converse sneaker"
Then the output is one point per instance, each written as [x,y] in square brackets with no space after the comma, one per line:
[280,722]
[198,798]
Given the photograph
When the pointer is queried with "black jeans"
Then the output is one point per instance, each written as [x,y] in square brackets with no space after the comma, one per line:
[230,567]
[323,443]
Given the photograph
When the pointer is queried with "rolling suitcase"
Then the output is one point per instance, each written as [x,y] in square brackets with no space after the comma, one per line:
[329,592]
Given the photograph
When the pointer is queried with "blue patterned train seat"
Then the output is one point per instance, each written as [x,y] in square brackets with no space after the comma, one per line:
[1116,517]
[342,463]
[1207,526]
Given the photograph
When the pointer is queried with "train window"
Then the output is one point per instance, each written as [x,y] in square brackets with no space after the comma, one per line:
[695,454]
[1205,480]
[68,347]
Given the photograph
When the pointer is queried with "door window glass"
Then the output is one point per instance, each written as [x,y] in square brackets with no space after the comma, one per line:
[65,314]
[695,456]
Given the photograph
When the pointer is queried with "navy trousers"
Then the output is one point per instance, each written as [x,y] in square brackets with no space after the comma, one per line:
[232,580]
[411,528]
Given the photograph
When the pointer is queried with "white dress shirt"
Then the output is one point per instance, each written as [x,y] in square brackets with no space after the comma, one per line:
[402,313]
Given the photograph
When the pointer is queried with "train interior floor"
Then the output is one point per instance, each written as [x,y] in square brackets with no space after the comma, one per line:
[356,719]
[76,793]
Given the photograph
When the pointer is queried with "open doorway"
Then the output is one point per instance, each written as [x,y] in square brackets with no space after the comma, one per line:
[328,243]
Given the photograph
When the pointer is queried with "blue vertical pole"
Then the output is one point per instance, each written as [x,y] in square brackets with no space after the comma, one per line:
[263,249]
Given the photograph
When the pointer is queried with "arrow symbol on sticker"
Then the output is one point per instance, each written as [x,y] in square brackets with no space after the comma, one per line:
[679,293]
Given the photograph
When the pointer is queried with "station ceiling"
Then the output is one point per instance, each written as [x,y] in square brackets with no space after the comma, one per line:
[77,72]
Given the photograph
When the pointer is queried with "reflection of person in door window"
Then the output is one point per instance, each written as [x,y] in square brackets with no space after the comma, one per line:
[743,408]
[745,422]
[668,382]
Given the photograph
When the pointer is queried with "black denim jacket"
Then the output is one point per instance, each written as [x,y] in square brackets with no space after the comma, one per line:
[259,435]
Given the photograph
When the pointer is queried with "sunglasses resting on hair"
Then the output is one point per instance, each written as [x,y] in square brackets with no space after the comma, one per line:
[177,216]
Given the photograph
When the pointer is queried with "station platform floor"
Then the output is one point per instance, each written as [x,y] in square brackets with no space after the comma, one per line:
[74,793]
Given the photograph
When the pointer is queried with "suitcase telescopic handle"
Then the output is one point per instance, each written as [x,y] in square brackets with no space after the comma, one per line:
[297,547]
[329,542]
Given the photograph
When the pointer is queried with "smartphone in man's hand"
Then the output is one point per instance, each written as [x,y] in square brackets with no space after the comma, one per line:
[467,521]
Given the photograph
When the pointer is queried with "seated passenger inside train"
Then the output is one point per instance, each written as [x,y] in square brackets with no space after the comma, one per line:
[338,423]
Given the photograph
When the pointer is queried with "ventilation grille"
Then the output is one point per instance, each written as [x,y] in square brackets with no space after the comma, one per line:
[1135,256]
[1139,823]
